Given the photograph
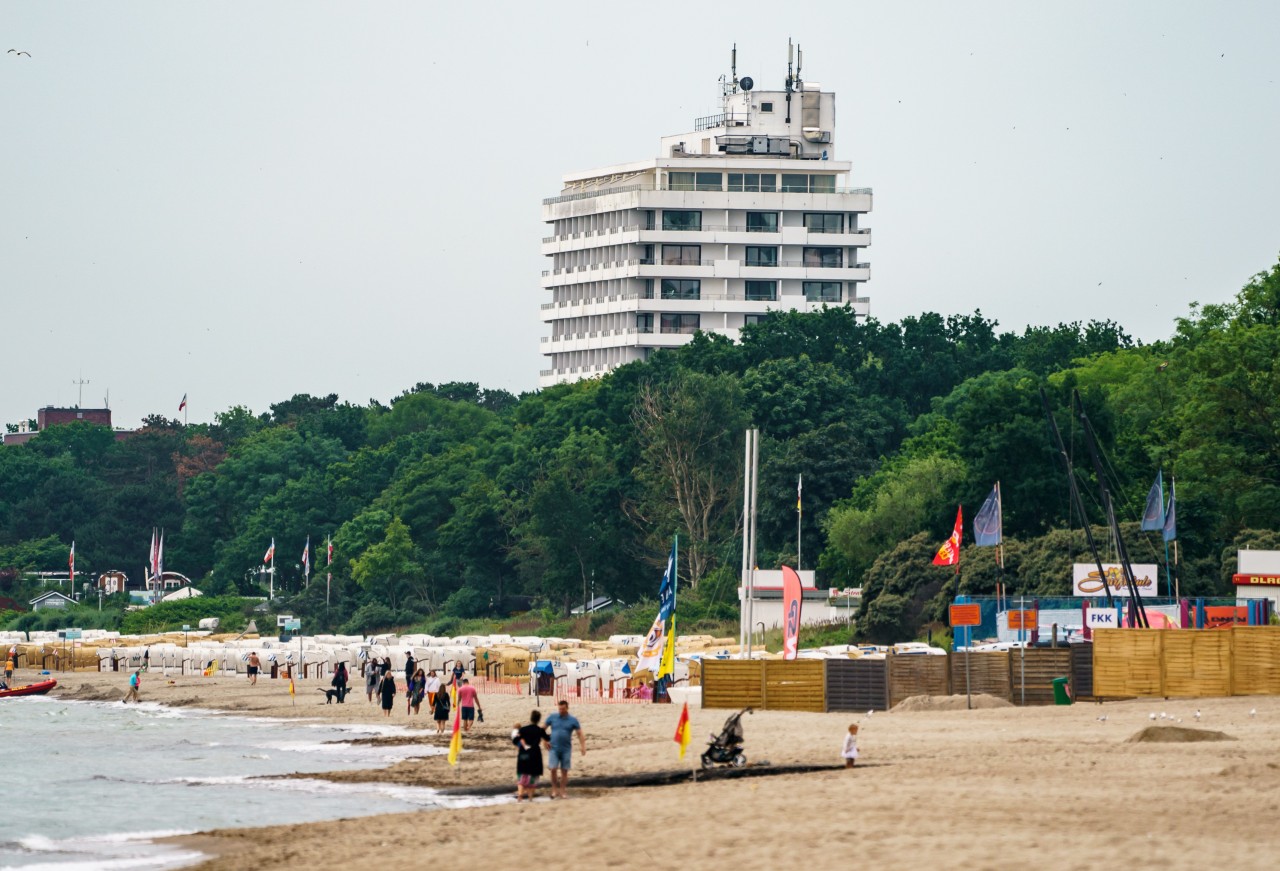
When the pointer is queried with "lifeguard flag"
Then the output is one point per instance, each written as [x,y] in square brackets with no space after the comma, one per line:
[455,743]
[211,669]
[683,736]
[949,553]
[791,596]
[292,689]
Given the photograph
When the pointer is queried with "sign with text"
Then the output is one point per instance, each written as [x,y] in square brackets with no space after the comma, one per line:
[1218,616]
[72,634]
[966,615]
[1103,618]
[1087,582]
[292,625]
[1256,580]
[1025,620]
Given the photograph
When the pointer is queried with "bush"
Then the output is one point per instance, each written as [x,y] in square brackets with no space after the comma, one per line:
[370,619]
[466,602]
[231,612]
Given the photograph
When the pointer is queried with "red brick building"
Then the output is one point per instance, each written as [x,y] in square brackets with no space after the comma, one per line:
[50,416]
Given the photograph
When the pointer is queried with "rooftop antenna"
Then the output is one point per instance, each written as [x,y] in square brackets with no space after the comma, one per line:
[733,65]
[80,382]
[790,56]
[799,64]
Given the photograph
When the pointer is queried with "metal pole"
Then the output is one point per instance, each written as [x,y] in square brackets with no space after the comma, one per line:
[968,694]
[744,626]
[755,493]
[799,518]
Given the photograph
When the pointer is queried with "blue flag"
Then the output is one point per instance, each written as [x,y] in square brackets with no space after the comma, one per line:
[667,592]
[1170,517]
[987,523]
[1153,516]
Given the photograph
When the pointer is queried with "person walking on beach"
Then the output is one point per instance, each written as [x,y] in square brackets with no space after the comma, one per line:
[440,710]
[562,725]
[458,672]
[529,740]
[135,684]
[417,689]
[252,667]
[469,704]
[850,750]
[387,690]
[433,687]
[410,668]
[372,675]
[340,682]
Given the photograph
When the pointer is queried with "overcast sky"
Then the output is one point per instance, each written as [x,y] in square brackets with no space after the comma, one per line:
[245,201]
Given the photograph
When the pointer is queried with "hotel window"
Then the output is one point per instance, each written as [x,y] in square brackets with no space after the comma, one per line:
[822,291]
[681,255]
[762,291]
[644,322]
[680,181]
[824,222]
[824,258]
[752,182]
[762,222]
[766,107]
[762,255]
[646,288]
[709,181]
[679,323]
[673,220]
[814,184]
[681,288]
[748,320]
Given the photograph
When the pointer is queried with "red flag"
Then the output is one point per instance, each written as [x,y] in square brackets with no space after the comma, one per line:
[270,554]
[71,562]
[791,613]
[683,733]
[183,403]
[949,553]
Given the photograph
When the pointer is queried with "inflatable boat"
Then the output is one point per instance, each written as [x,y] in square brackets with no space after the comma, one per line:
[34,689]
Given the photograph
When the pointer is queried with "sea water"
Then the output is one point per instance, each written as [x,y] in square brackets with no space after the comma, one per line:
[90,784]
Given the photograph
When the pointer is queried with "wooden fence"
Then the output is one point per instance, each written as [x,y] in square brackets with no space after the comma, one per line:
[764,684]
[1241,660]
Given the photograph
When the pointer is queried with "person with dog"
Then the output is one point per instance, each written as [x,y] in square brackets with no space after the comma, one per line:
[440,710]
[387,691]
[339,682]
[529,740]
[253,664]
[469,704]
[562,725]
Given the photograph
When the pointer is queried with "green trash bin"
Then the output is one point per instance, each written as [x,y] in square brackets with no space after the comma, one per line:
[1062,691]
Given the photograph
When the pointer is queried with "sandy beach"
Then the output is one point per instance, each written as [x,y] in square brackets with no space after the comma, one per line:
[1053,787]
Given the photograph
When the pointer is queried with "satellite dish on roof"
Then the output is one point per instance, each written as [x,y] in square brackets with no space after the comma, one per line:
[746,84]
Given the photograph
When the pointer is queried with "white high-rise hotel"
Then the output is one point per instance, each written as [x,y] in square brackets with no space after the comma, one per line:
[748,213]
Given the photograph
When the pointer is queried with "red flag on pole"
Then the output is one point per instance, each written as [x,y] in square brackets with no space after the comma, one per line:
[949,553]
[790,613]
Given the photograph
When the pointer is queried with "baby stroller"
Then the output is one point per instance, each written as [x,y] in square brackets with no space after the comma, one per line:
[726,748]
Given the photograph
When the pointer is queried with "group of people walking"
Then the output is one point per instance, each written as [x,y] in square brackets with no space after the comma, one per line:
[423,686]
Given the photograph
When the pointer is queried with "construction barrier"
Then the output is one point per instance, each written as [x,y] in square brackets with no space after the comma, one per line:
[1189,663]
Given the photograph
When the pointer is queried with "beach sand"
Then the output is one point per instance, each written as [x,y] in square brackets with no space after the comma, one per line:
[1050,787]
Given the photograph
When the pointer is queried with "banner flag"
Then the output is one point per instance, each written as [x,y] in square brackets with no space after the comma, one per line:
[683,732]
[949,553]
[791,595]
[1171,516]
[455,743]
[988,523]
[652,654]
[1153,515]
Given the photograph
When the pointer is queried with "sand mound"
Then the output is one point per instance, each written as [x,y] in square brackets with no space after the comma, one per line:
[1175,735]
[949,703]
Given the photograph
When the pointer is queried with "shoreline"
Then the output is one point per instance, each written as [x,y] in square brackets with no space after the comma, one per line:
[980,787]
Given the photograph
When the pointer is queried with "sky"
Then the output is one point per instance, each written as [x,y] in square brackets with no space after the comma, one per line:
[239,202]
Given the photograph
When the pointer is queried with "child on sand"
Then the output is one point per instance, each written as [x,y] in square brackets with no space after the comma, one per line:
[850,751]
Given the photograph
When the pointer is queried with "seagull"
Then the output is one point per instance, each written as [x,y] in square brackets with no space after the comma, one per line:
[1153,716]
[1102,719]
[1197,713]
[1164,716]
[16,53]
[870,712]
[1253,712]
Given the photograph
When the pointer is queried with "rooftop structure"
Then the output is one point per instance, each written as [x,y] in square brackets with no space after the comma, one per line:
[748,213]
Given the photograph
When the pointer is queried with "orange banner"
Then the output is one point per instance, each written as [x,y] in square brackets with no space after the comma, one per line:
[1024,619]
[966,615]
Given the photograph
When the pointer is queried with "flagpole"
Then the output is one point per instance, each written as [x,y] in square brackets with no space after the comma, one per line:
[799,515]
[1000,547]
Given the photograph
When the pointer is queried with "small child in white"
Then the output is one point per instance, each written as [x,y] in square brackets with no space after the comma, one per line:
[850,751]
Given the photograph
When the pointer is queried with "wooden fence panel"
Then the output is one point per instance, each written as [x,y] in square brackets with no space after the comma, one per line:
[1197,663]
[857,685]
[800,685]
[1082,671]
[917,675]
[1127,662]
[1255,660]
[1032,671]
[733,683]
[988,673]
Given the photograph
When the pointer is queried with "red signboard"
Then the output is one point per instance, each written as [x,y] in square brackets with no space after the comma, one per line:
[1256,580]
[966,615]
[1024,619]
[1219,616]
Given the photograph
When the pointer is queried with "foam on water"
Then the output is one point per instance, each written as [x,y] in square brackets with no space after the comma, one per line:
[94,782]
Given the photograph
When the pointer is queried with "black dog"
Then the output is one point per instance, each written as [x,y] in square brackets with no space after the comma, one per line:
[340,694]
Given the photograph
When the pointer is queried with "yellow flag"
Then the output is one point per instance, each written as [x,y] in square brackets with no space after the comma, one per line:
[292,691]
[667,668]
[683,732]
[211,669]
[455,743]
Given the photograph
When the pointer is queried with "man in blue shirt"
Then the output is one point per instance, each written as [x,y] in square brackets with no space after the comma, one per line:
[562,725]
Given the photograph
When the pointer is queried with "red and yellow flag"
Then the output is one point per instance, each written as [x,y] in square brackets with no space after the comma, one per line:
[949,553]
[455,743]
[211,669]
[683,732]
[292,689]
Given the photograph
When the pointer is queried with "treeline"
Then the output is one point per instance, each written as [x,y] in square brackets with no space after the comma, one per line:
[457,500]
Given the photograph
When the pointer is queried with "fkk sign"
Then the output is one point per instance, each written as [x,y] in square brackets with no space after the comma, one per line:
[1103,618]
